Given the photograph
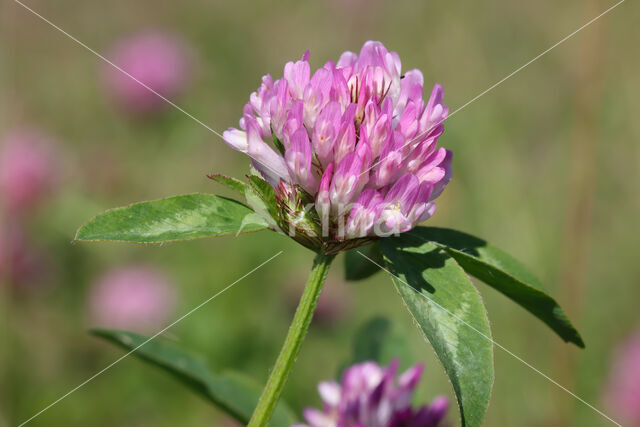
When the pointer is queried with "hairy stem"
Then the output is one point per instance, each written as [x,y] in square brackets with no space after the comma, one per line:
[289,352]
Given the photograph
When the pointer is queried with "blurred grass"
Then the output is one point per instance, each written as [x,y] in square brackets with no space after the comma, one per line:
[515,150]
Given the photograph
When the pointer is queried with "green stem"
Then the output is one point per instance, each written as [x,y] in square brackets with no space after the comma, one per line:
[297,331]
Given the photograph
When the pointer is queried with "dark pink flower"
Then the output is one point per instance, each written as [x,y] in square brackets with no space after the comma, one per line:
[370,396]
[135,297]
[158,60]
[28,168]
[354,139]
[623,390]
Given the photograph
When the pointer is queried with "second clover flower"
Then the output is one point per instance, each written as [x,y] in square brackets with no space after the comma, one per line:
[353,146]
[370,395]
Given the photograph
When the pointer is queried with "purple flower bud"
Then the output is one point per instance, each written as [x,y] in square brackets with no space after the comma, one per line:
[237,139]
[398,203]
[298,158]
[135,297]
[411,89]
[408,124]
[339,89]
[379,132]
[325,132]
[364,213]
[347,59]
[260,101]
[439,186]
[294,120]
[316,96]
[391,158]
[422,208]
[160,61]
[346,139]
[278,108]
[435,112]
[345,182]
[323,203]
[270,164]
[370,396]
[365,122]
[297,76]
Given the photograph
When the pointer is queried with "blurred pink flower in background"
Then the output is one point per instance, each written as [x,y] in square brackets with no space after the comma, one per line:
[21,265]
[623,390]
[159,60]
[333,305]
[133,298]
[28,168]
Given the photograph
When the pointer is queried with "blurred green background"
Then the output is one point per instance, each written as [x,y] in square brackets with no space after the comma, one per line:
[546,166]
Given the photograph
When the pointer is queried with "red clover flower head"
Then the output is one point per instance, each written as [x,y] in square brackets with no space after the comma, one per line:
[354,145]
[369,395]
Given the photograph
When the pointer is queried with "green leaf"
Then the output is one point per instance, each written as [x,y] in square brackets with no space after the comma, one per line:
[259,196]
[232,392]
[502,272]
[266,203]
[186,217]
[356,267]
[450,312]
[377,340]
[230,182]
